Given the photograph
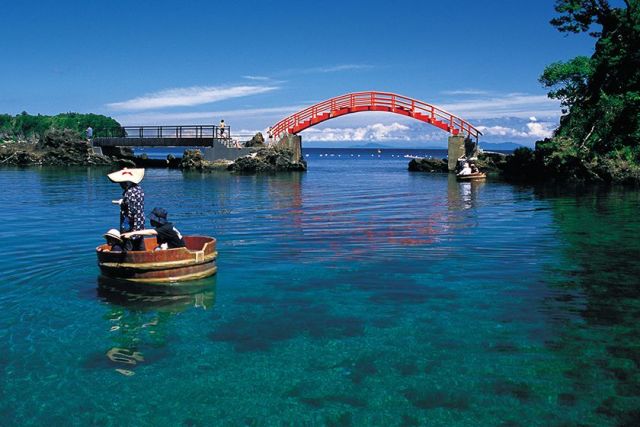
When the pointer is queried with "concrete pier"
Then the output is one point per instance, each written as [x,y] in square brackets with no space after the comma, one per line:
[220,151]
[455,151]
[460,146]
[294,143]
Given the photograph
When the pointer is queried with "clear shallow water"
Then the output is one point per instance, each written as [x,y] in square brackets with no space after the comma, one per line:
[355,294]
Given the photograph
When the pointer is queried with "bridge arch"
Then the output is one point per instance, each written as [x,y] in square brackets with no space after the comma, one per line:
[373,101]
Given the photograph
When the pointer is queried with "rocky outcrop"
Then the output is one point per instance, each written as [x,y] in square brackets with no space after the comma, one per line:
[486,162]
[491,162]
[428,165]
[55,148]
[256,141]
[118,152]
[268,160]
[194,160]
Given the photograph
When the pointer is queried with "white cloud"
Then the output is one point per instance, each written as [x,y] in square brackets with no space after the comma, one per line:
[189,96]
[326,69]
[465,92]
[509,105]
[260,78]
[270,115]
[501,131]
[374,132]
[533,129]
[540,130]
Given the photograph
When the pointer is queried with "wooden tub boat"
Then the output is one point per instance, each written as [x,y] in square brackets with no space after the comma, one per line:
[195,261]
[471,177]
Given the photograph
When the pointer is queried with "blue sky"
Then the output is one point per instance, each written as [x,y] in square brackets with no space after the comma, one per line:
[254,62]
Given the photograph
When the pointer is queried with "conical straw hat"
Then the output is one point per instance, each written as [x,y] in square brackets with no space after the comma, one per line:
[124,175]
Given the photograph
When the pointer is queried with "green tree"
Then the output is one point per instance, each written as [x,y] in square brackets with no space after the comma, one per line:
[26,125]
[600,95]
[568,80]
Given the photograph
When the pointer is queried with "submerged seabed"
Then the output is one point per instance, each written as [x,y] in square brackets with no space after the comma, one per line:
[355,294]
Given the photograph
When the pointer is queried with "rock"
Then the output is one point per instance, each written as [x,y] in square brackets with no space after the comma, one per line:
[428,165]
[486,162]
[173,161]
[256,141]
[126,163]
[491,162]
[268,160]
[193,160]
[118,152]
[55,148]
[24,158]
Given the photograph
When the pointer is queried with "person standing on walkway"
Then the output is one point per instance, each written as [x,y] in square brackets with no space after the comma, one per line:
[131,205]
[269,137]
[221,128]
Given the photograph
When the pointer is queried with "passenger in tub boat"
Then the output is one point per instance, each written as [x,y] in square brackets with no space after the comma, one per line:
[114,241]
[465,169]
[167,235]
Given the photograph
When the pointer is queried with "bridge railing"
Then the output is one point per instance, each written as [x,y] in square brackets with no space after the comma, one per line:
[161,132]
[391,101]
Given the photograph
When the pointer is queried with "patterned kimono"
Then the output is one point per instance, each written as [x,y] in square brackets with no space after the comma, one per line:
[132,213]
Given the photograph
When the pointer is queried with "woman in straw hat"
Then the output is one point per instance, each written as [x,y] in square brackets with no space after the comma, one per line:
[131,205]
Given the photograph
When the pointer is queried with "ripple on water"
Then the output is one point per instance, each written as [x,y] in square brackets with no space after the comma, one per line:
[357,293]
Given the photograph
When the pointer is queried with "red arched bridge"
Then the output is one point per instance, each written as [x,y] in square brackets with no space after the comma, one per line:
[212,136]
[372,101]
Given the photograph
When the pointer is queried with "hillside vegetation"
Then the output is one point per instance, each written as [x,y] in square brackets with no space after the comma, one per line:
[27,127]
[599,134]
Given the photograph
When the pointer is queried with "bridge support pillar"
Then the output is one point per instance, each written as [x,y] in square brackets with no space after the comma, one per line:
[455,151]
[460,146]
[294,143]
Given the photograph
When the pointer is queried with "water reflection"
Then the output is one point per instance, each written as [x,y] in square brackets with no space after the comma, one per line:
[140,324]
[462,195]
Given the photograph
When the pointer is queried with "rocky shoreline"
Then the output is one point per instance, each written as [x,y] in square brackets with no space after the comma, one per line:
[68,148]
[63,148]
[488,162]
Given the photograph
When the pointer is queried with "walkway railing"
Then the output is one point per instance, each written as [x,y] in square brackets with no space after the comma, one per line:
[160,132]
[373,101]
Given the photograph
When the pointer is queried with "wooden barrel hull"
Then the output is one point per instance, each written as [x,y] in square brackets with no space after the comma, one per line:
[472,177]
[196,261]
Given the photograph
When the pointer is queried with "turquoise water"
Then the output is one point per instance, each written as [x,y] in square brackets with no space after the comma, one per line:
[354,294]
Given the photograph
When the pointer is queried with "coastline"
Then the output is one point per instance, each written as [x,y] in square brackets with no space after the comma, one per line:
[65,148]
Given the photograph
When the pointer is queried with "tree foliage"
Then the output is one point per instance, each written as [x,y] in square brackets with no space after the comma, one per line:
[25,125]
[568,79]
[578,16]
[600,94]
